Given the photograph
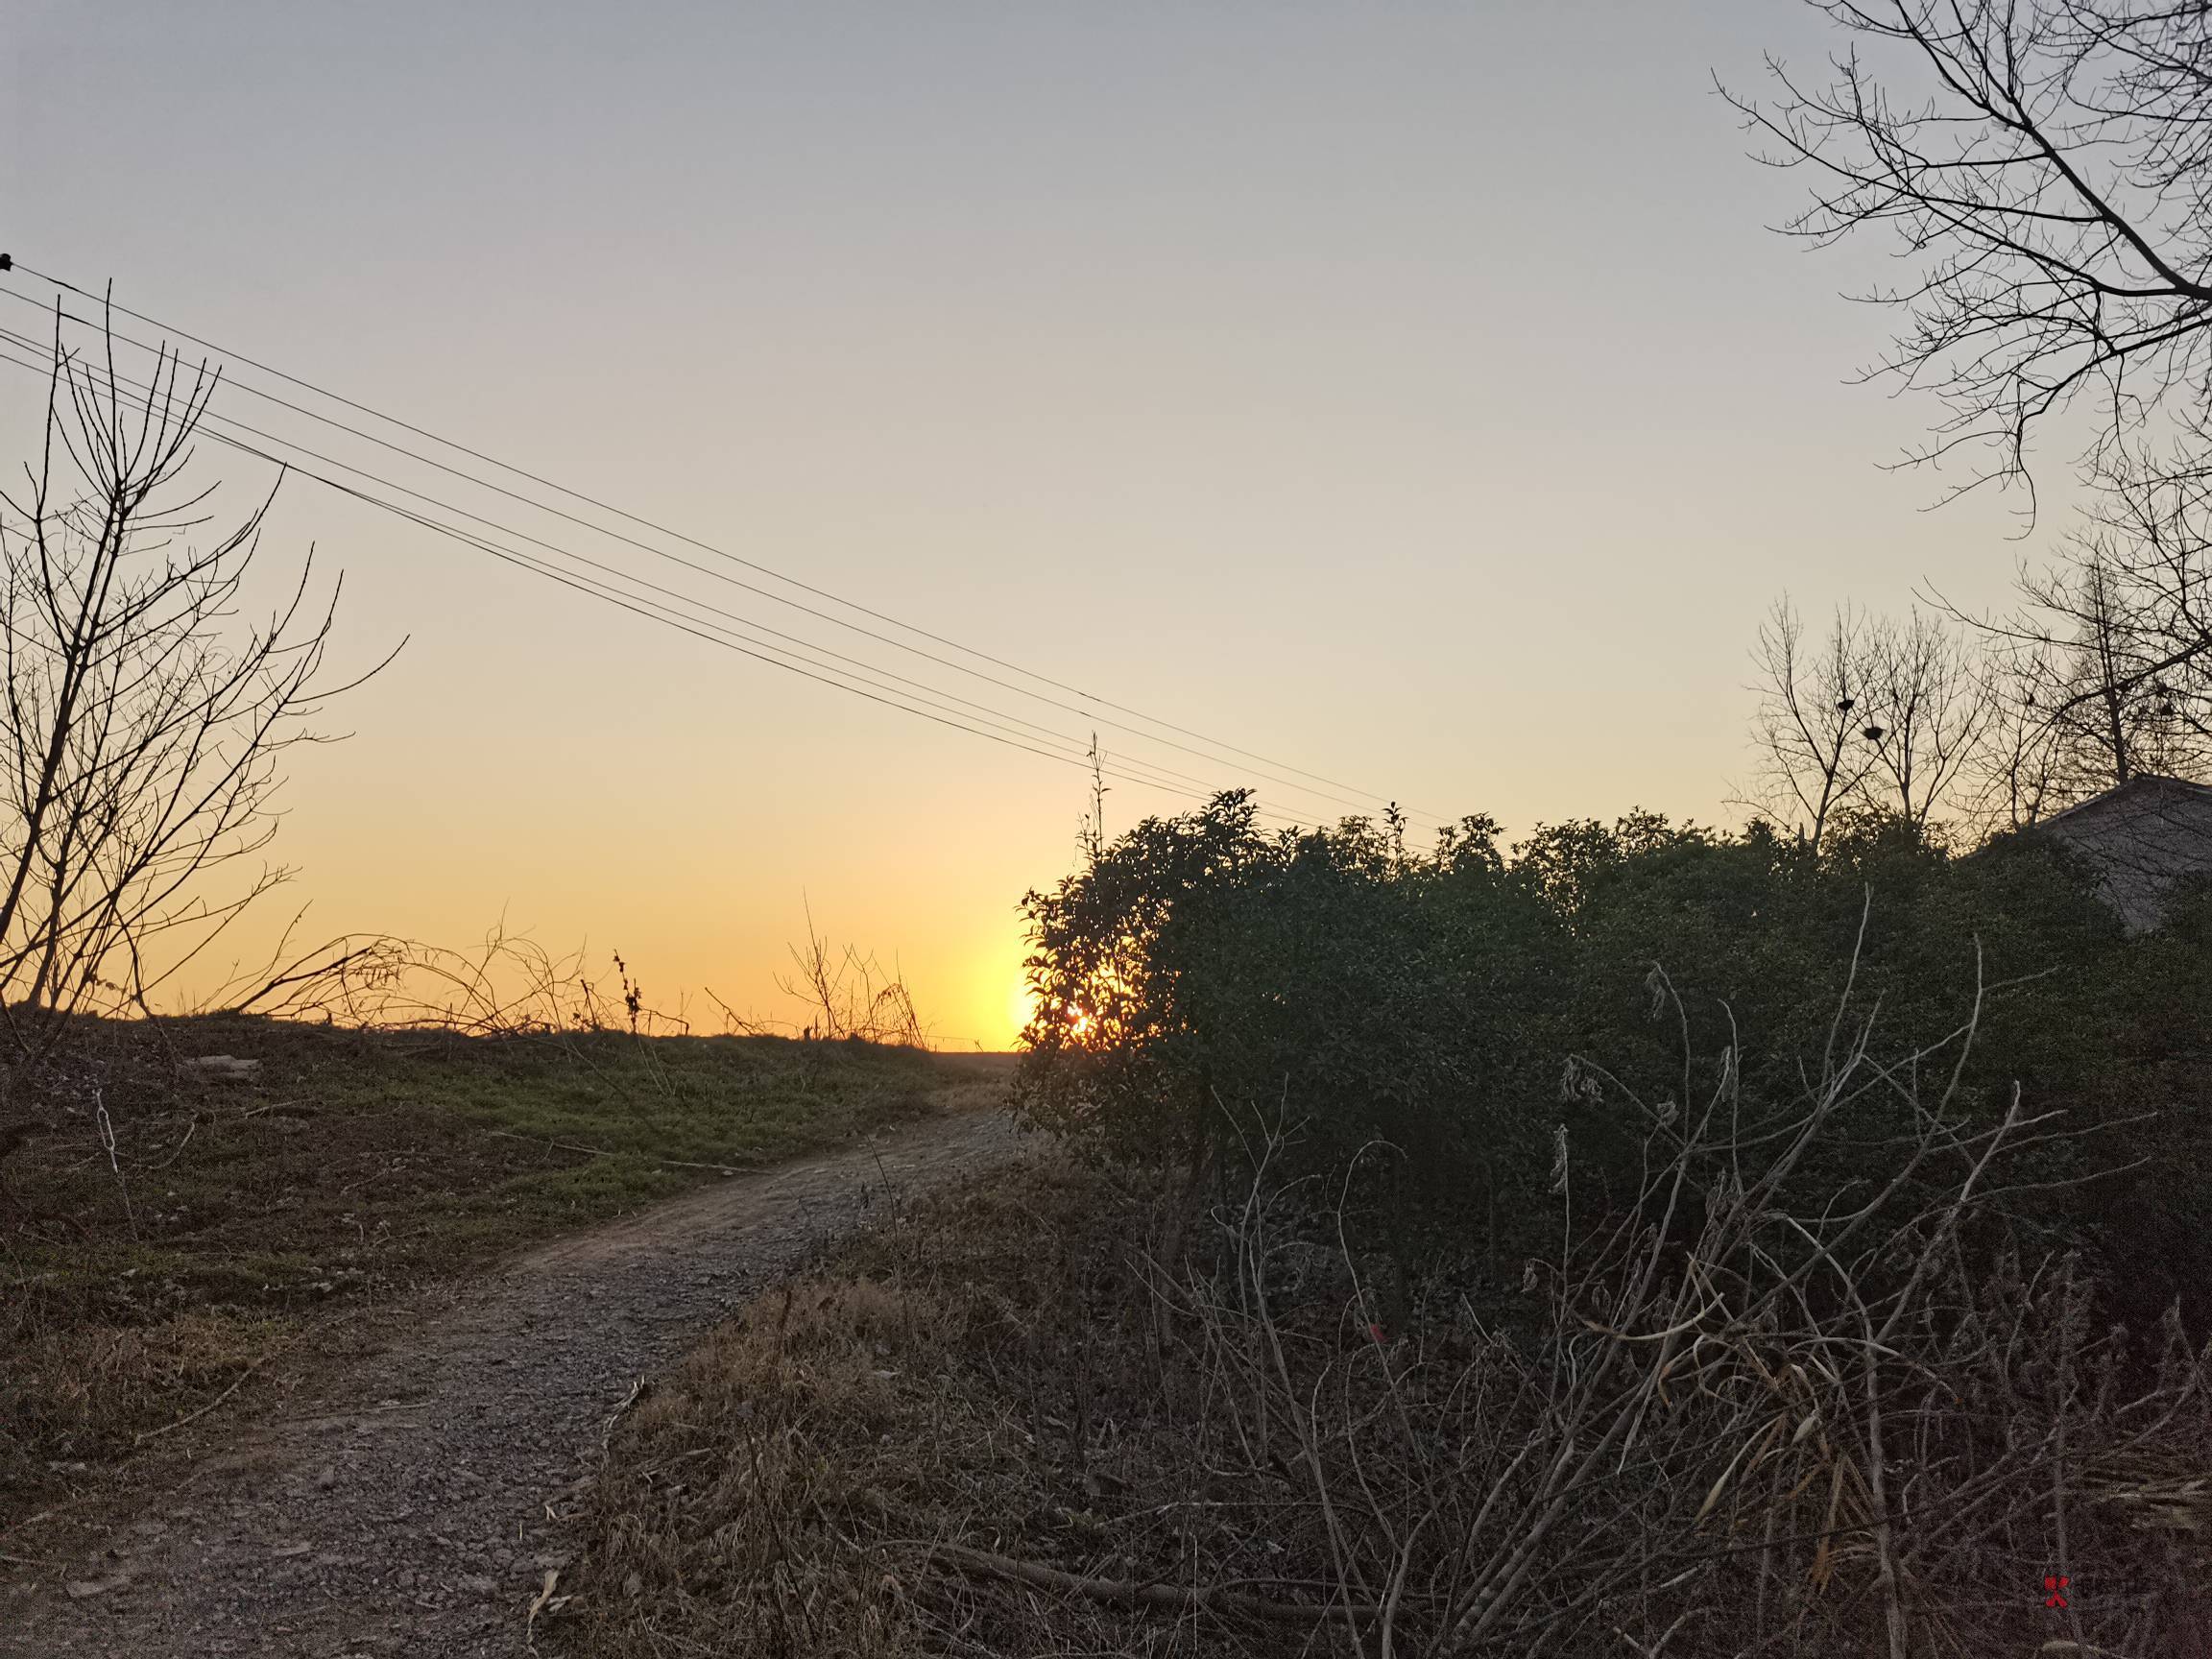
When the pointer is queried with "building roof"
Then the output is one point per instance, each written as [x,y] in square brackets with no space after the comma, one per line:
[2142,838]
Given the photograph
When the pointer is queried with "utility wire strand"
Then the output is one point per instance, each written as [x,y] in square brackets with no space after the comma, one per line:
[676,535]
[643,609]
[508,554]
[699,569]
[1166,777]
[652,612]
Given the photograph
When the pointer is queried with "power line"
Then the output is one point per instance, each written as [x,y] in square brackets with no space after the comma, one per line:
[663,530]
[645,608]
[1167,778]
[649,609]
[688,564]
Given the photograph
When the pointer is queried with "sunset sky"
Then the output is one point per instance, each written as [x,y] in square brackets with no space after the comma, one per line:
[1410,395]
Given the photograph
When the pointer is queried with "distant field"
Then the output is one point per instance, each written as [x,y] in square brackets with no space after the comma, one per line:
[135,1288]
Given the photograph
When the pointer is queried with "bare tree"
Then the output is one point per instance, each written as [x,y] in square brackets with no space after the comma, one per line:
[2106,663]
[2145,564]
[1929,713]
[1882,716]
[142,726]
[2046,165]
[2015,777]
[2104,728]
[2046,168]
[1815,743]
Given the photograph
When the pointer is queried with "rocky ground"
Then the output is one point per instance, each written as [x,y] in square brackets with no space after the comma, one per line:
[412,1500]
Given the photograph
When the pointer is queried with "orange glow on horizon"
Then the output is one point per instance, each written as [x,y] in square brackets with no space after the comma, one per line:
[1021,1008]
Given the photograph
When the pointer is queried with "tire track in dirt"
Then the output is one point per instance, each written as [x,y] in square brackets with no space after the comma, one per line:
[410,1506]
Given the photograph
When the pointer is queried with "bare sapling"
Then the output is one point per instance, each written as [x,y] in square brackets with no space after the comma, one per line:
[143,721]
[849,994]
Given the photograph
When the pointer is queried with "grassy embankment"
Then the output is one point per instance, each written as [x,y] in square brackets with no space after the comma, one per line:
[235,1218]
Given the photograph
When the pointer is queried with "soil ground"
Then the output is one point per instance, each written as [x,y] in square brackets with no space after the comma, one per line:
[412,1494]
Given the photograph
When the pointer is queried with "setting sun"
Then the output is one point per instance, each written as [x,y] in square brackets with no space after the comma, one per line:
[1021,1007]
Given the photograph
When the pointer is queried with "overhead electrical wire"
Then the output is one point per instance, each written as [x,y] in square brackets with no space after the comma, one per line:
[109,304]
[659,553]
[661,613]
[1110,766]
[716,575]
[804,646]
[1089,712]
[1166,778]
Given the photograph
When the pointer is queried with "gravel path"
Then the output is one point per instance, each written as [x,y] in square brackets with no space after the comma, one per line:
[410,1506]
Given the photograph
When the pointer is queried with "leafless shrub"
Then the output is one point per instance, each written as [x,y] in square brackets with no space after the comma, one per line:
[509,986]
[848,995]
[512,986]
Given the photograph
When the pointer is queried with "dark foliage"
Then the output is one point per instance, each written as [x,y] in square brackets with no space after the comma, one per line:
[1201,978]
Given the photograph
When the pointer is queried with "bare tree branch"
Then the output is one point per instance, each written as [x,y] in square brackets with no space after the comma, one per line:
[2047,167]
[142,725]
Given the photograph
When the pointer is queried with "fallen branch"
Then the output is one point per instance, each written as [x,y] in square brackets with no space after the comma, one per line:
[236,1383]
[1134,1593]
[543,1601]
[271,1106]
[604,1152]
[179,1150]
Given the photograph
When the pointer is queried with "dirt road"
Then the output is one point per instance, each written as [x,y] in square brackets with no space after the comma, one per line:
[413,1503]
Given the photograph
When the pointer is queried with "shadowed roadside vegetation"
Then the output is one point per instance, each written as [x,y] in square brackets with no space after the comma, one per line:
[999,1425]
[1202,975]
[1642,1237]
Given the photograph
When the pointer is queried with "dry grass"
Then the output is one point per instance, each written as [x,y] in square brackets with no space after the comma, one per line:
[978,1370]
[98,1389]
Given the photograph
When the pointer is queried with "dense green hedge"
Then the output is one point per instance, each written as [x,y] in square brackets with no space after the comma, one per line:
[1204,976]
